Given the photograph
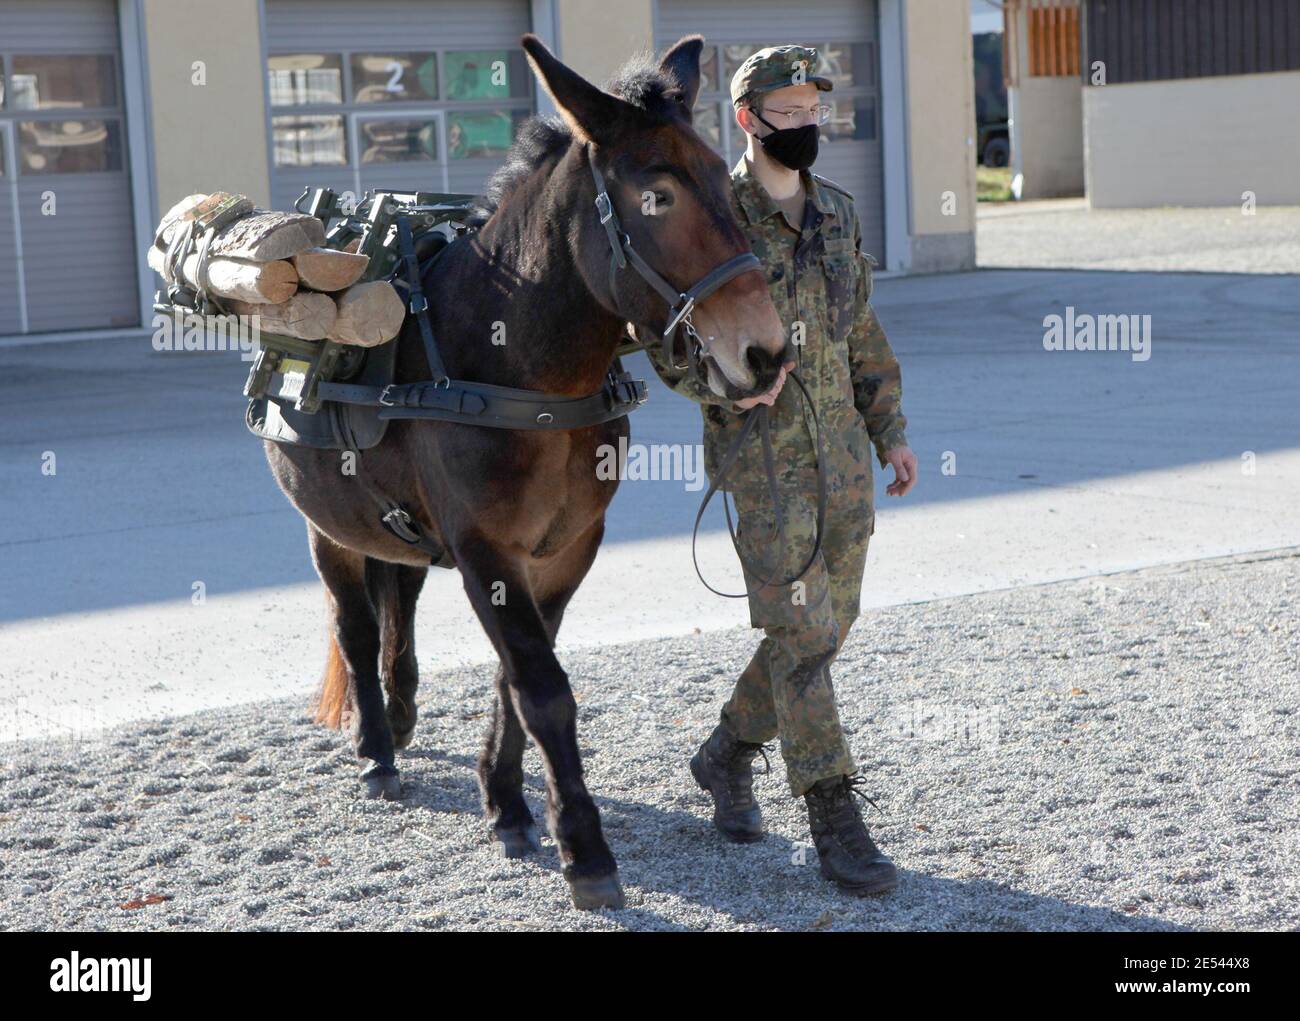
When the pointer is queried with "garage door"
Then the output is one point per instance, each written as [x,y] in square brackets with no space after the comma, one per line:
[844,32]
[407,96]
[67,245]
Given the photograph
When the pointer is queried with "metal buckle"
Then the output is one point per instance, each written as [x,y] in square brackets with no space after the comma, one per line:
[383,396]
[682,313]
[424,303]
[604,207]
[636,390]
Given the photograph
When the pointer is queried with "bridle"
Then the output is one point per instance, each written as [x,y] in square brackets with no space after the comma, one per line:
[680,303]
[680,306]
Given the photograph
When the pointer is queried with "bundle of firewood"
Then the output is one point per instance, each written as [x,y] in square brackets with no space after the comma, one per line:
[273,265]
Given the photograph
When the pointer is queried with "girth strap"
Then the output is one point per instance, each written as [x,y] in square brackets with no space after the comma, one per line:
[498,407]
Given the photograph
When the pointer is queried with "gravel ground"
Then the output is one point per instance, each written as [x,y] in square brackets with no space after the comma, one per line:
[1067,235]
[1114,753]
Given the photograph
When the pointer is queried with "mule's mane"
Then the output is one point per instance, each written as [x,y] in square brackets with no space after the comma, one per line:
[542,139]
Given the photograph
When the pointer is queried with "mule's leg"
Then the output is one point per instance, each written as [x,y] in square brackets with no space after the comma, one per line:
[501,773]
[501,777]
[356,636]
[498,589]
[398,592]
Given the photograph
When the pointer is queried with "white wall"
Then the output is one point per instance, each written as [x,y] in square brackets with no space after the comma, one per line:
[1049,115]
[1194,142]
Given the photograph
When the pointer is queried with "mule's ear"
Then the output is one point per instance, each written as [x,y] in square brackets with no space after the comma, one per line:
[592,115]
[683,63]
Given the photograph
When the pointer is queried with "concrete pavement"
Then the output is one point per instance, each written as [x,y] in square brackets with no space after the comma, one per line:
[1035,466]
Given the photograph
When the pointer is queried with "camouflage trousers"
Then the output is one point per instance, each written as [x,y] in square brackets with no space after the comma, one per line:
[785,691]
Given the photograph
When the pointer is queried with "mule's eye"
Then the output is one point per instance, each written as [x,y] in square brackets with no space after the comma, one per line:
[662,198]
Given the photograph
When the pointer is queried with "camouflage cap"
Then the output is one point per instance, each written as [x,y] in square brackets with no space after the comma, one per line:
[776,67]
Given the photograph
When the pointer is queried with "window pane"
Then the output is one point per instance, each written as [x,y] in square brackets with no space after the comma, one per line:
[706,122]
[305,79]
[40,82]
[482,134]
[309,141]
[390,77]
[733,56]
[709,71]
[69,147]
[397,141]
[848,64]
[851,119]
[487,74]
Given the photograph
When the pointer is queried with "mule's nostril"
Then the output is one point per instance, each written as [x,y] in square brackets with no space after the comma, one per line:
[764,365]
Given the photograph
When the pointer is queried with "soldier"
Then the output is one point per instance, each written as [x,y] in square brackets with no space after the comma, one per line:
[805,231]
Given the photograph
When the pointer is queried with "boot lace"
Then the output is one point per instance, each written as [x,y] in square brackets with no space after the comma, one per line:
[854,785]
[761,749]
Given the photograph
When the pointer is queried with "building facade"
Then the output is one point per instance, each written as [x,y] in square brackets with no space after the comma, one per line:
[1140,103]
[112,110]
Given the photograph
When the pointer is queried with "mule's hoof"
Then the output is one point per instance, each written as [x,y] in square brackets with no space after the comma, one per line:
[382,782]
[593,892]
[519,841]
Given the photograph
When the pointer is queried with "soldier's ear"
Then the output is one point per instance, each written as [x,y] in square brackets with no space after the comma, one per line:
[592,115]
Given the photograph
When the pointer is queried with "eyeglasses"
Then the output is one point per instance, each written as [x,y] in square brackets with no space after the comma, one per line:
[819,114]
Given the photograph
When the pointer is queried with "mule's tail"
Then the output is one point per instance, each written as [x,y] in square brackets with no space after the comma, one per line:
[334,697]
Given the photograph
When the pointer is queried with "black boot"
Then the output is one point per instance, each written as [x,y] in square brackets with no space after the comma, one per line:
[724,766]
[848,855]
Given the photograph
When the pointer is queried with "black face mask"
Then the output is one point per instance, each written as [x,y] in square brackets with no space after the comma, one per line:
[795,148]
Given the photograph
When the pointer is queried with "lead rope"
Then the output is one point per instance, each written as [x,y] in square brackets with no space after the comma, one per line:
[680,307]
[760,415]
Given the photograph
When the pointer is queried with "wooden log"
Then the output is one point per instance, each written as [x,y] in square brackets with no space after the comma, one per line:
[193,206]
[307,315]
[324,269]
[265,236]
[258,282]
[369,314]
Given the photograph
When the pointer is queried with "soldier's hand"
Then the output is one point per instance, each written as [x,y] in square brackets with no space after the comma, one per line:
[770,397]
[904,463]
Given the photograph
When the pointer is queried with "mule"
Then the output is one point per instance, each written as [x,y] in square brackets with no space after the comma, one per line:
[522,513]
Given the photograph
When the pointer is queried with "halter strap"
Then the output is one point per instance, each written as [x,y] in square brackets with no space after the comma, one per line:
[680,306]
[680,303]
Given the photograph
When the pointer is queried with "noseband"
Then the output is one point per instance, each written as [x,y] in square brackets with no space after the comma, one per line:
[680,303]
[680,306]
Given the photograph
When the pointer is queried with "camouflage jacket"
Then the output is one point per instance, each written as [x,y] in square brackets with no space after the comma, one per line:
[820,282]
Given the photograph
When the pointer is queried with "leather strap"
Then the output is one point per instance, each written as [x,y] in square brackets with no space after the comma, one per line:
[680,306]
[498,407]
[416,303]
[680,303]
[759,415]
